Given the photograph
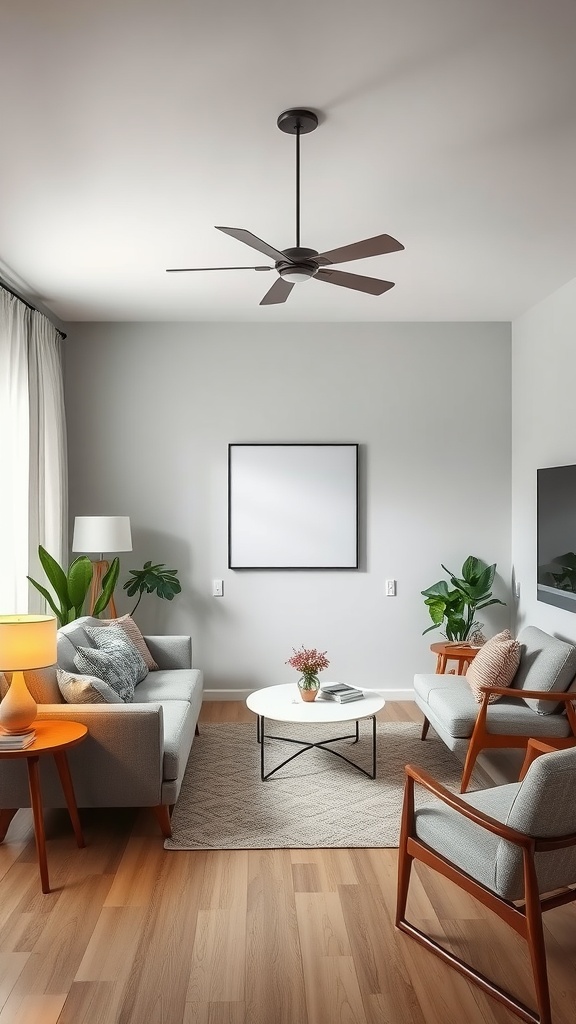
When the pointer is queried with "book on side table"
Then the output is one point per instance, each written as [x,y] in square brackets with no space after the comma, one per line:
[340,692]
[16,740]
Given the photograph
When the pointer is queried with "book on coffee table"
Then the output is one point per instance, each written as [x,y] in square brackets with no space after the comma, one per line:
[340,692]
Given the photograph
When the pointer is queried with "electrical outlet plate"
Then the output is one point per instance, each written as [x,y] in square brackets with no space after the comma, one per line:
[217,588]
[390,588]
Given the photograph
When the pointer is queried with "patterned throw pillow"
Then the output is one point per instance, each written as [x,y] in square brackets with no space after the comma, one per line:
[110,669]
[495,664]
[77,689]
[113,640]
[126,622]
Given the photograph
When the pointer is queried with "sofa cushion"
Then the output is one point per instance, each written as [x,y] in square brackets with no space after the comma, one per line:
[453,704]
[546,663]
[126,622]
[82,689]
[114,641]
[495,665]
[168,684]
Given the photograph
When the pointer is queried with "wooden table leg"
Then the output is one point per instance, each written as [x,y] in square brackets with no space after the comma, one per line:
[36,802]
[66,780]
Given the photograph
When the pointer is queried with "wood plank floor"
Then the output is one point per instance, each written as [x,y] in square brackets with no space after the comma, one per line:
[133,934]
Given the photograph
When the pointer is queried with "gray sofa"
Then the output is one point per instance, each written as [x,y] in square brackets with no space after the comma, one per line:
[497,733]
[135,754]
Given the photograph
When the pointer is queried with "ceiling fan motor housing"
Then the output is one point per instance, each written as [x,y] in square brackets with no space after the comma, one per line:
[300,264]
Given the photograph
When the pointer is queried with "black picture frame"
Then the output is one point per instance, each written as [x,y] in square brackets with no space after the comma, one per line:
[293,505]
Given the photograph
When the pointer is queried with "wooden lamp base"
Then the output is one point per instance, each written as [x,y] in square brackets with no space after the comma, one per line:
[99,570]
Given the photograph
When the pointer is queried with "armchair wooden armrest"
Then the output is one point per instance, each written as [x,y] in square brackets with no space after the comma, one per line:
[498,828]
[509,691]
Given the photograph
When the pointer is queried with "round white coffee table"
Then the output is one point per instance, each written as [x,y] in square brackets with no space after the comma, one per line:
[283,703]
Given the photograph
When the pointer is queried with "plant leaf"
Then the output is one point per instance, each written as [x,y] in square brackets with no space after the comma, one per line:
[56,576]
[108,586]
[48,597]
[78,581]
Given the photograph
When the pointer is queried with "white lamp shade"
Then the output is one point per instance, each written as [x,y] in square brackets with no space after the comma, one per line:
[102,533]
[27,642]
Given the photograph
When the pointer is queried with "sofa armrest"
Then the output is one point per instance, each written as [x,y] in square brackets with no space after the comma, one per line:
[170,651]
[119,764]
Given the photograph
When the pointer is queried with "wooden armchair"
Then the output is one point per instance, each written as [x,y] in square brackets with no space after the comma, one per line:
[508,847]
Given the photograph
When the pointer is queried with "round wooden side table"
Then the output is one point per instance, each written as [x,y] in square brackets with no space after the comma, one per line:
[52,737]
[462,653]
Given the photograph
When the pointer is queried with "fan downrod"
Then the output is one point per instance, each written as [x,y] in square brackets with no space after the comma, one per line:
[296,120]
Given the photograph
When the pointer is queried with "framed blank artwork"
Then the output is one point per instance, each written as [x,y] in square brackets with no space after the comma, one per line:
[293,506]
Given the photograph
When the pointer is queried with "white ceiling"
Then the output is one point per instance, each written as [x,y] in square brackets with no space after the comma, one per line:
[132,127]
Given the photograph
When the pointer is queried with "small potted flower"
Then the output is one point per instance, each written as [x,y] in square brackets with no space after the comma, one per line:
[309,663]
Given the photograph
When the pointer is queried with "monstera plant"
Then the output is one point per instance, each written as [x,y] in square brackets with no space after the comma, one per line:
[152,579]
[71,587]
[454,605]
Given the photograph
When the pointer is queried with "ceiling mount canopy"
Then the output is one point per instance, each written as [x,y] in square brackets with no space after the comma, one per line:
[297,264]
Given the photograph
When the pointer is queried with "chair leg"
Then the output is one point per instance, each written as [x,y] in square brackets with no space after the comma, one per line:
[536,945]
[162,812]
[197,730]
[425,727]
[404,858]
[474,749]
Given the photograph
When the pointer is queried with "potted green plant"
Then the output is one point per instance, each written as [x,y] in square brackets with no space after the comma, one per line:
[152,578]
[71,587]
[456,605]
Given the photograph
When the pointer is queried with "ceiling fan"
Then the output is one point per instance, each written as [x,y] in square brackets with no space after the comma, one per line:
[297,264]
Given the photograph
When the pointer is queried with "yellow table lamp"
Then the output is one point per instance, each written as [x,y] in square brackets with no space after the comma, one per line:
[26,642]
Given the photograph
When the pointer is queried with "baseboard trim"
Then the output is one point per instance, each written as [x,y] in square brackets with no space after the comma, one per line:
[209,694]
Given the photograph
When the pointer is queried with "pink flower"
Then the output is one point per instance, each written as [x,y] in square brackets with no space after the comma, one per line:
[308,661]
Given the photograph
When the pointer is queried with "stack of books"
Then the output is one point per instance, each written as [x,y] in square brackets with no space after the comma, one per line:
[340,692]
[16,740]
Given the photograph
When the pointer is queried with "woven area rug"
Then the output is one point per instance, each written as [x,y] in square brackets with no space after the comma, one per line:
[315,801]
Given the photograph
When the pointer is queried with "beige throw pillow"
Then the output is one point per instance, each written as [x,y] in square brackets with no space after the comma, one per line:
[126,622]
[495,664]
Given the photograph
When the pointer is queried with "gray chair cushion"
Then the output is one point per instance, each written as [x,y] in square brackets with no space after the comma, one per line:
[546,663]
[542,805]
[469,846]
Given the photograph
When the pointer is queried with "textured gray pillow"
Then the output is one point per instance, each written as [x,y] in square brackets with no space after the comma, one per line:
[546,663]
[114,659]
[113,640]
[78,689]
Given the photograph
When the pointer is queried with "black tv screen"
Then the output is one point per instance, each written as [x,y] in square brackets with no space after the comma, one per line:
[557,536]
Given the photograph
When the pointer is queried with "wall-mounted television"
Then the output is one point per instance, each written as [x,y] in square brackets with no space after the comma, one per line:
[556,557]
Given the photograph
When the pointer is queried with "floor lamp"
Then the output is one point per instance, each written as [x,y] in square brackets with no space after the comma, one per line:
[101,533]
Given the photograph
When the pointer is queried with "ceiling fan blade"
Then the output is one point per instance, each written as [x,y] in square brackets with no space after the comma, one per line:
[377,246]
[187,270]
[249,239]
[372,285]
[279,292]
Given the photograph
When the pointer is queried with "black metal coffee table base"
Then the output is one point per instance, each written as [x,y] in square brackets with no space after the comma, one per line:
[321,744]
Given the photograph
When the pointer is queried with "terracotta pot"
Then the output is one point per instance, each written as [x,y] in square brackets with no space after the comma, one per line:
[307,695]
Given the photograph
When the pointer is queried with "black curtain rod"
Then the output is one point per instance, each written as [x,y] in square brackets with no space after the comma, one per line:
[29,305]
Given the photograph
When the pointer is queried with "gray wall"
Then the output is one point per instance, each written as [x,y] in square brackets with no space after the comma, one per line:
[544,434]
[151,409]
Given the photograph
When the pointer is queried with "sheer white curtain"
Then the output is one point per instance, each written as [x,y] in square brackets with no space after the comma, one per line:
[33,502]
